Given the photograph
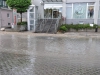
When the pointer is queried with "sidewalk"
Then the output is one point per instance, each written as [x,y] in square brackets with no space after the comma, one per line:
[67,34]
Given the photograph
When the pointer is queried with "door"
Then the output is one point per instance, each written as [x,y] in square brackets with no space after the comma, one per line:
[55,13]
[31,18]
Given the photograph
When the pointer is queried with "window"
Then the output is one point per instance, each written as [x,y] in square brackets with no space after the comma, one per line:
[32,22]
[8,15]
[0,2]
[90,10]
[9,24]
[31,15]
[4,4]
[80,10]
[32,10]
[69,11]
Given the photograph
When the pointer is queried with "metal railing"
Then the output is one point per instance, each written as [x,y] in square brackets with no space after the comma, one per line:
[44,21]
[50,26]
[57,24]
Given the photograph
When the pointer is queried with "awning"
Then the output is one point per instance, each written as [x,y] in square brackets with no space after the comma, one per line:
[52,0]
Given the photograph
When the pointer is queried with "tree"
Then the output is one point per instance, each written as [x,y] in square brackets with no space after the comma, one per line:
[20,5]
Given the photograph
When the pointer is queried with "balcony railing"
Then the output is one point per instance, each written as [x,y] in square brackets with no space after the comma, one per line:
[3,6]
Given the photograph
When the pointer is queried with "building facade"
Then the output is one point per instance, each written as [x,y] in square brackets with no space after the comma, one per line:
[73,11]
[5,15]
[82,11]
[3,3]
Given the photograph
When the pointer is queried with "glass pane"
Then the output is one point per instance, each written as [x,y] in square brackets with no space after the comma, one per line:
[32,10]
[0,2]
[60,9]
[90,11]
[55,13]
[79,10]
[32,15]
[31,21]
[31,27]
[69,5]
[69,12]
[48,13]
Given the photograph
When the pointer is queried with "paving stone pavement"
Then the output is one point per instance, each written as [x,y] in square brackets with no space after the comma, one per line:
[49,55]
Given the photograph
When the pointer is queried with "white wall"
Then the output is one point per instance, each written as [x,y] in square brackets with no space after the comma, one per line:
[64,10]
[96,12]
[40,7]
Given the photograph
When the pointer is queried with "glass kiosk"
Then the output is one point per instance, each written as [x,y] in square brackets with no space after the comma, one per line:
[32,17]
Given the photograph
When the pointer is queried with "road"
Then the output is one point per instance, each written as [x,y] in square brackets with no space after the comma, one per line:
[49,55]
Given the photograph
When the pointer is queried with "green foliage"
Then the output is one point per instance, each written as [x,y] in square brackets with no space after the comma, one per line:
[77,27]
[68,27]
[63,28]
[20,5]
[22,23]
[11,3]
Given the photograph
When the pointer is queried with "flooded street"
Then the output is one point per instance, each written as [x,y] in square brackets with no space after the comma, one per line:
[48,55]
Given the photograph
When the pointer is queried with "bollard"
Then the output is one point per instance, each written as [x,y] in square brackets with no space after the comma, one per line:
[96,29]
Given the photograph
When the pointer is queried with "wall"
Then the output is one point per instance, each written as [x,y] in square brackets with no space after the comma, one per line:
[40,7]
[4,19]
[98,21]
[77,21]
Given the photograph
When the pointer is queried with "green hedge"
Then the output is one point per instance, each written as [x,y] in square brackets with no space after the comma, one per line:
[77,27]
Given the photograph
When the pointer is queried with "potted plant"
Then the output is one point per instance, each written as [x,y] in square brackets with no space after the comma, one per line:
[22,26]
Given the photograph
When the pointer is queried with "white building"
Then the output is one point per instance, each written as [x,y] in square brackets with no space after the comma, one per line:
[73,11]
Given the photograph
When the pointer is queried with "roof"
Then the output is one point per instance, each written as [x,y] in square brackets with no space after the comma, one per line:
[52,0]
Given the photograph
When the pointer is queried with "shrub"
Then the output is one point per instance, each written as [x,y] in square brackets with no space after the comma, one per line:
[68,27]
[63,28]
[77,26]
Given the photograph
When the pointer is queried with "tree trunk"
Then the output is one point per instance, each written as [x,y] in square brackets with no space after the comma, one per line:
[21,16]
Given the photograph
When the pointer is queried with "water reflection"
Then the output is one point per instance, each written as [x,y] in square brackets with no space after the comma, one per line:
[28,55]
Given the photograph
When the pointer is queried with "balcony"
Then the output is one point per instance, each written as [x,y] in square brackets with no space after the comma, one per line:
[3,4]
